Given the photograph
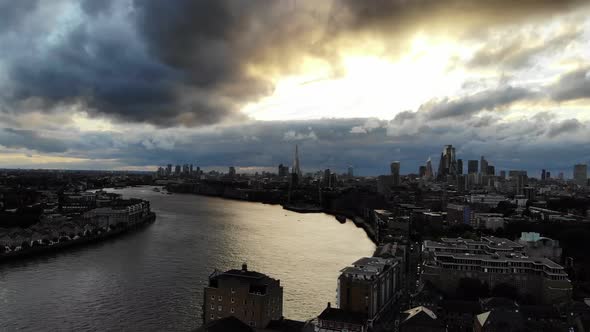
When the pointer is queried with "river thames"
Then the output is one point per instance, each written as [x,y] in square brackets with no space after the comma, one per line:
[153,279]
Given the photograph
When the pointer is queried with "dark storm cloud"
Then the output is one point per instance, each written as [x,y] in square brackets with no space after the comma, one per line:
[96,7]
[27,139]
[521,50]
[572,86]
[107,74]
[327,143]
[570,126]
[13,12]
[379,14]
[467,106]
[191,62]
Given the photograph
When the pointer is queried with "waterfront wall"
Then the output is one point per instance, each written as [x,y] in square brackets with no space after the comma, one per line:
[84,240]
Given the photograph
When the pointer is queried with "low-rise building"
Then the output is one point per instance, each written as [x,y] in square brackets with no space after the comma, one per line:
[446,263]
[339,320]
[459,214]
[421,319]
[491,221]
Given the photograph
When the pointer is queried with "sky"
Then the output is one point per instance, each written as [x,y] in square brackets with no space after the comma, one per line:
[137,84]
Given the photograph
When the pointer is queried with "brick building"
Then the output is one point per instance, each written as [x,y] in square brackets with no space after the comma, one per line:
[252,297]
[370,286]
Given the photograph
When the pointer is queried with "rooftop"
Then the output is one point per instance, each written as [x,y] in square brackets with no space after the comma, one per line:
[492,243]
[368,267]
[256,279]
[226,324]
[503,258]
[343,316]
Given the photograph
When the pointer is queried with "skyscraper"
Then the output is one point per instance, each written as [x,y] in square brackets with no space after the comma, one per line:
[472,166]
[491,170]
[422,171]
[327,177]
[395,167]
[283,170]
[543,175]
[296,166]
[581,174]
[429,173]
[448,163]
[483,166]
[350,171]
[459,166]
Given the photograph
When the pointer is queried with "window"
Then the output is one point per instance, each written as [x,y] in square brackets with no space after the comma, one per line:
[218,308]
[233,290]
[219,298]
[212,307]
[232,300]
[212,297]
[232,310]
[212,316]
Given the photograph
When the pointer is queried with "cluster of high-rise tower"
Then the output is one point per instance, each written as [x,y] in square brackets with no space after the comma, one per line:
[450,166]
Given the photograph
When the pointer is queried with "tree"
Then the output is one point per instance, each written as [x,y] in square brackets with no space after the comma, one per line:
[505,290]
[471,289]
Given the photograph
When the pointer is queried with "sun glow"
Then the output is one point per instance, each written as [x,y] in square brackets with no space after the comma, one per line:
[9,158]
[368,86]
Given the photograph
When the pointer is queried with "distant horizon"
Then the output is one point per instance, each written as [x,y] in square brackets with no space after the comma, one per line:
[251,170]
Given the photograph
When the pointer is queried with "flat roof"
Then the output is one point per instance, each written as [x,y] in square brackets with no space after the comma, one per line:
[503,258]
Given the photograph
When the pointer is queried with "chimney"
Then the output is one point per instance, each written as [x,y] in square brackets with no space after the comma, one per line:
[244,267]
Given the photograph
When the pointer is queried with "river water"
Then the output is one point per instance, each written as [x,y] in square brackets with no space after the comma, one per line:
[153,279]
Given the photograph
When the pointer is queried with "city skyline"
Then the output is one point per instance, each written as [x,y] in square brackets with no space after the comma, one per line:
[114,86]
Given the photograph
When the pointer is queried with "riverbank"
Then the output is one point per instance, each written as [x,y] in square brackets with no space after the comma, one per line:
[41,249]
[298,208]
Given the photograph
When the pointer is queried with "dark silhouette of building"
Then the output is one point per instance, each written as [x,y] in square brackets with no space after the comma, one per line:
[252,297]
[283,170]
[484,166]
[335,319]
[421,319]
[395,168]
[448,163]
[226,324]
[472,166]
[459,166]
[422,171]
[370,286]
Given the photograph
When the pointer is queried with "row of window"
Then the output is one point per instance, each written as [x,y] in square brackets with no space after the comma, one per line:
[220,308]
